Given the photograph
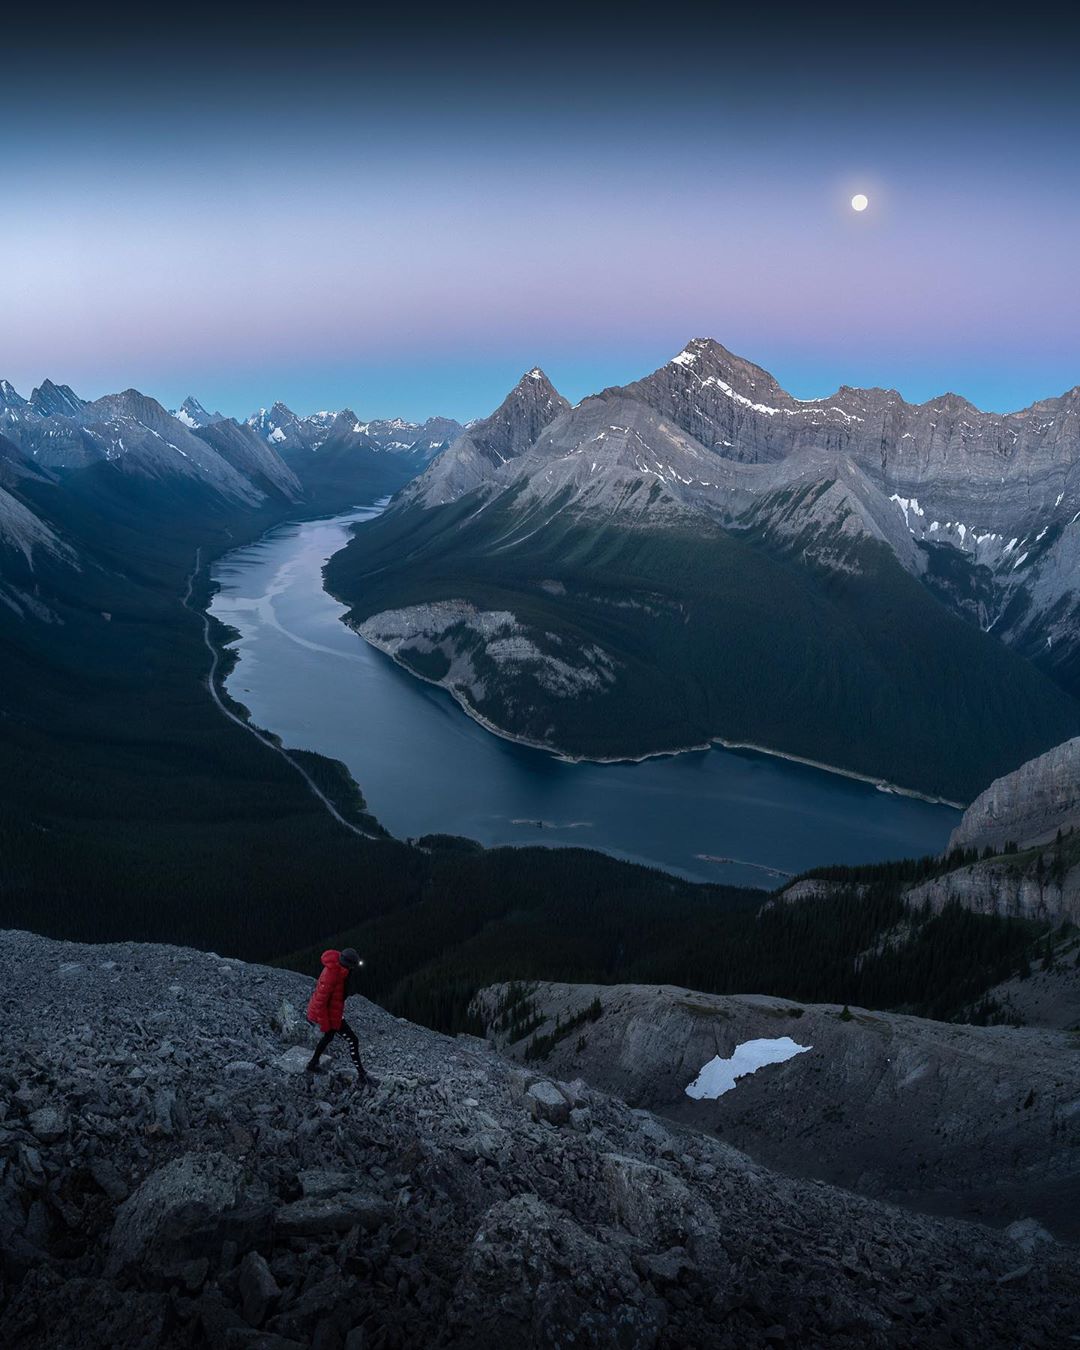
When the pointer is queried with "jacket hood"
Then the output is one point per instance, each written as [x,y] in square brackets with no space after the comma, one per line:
[331,957]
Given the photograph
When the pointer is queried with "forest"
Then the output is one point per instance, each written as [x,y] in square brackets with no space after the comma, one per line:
[129,809]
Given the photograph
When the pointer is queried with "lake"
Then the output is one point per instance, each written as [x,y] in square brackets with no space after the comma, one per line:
[425,767]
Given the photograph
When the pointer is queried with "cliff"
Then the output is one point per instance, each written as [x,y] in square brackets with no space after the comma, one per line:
[1027,806]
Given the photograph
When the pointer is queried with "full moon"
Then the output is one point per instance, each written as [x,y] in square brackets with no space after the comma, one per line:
[860,202]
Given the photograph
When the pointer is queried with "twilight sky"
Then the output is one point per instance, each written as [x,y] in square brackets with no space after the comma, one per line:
[405,220]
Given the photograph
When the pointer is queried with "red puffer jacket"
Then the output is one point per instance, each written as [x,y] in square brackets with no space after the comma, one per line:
[327,1006]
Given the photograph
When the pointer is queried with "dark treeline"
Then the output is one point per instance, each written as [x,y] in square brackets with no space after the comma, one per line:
[519,915]
[130,809]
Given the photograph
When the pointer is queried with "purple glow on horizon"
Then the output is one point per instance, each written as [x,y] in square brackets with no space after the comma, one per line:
[337,255]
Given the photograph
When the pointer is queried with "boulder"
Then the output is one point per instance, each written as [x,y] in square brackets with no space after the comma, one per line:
[331,1214]
[546,1102]
[186,1209]
[534,1276]
[1029,1234]
[257,1288]
[317,1183]
[47,1124]
[655,1205]
[294,1060]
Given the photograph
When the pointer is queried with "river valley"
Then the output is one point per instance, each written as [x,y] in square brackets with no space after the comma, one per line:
[734,816]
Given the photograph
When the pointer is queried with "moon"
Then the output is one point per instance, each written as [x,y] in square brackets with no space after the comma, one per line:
[860,201]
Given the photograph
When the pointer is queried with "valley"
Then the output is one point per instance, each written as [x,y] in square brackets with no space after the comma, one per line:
[710,815]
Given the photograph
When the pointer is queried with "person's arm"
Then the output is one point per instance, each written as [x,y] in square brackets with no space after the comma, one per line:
[317,1009]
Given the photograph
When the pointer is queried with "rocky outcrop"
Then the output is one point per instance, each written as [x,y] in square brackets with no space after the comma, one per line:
[169,1179]
[1027,806]
[470,651]
[981,1121]
[1000,886]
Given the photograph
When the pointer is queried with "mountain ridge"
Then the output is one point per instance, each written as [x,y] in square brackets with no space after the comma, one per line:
[676,465]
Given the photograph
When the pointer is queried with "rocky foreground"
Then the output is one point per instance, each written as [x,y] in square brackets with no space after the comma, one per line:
[170,1179]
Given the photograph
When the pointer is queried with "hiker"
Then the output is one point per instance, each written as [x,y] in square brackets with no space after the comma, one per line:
[327,1007]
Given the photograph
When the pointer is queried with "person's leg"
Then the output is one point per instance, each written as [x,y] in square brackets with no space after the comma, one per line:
[354,1047]
[313,1063]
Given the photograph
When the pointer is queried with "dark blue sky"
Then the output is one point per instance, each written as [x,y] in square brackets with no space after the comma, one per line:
[403,219]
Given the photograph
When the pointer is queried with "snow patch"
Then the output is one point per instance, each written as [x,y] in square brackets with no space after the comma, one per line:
[720,1075]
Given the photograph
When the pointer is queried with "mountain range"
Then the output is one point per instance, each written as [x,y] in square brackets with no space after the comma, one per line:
[699,555]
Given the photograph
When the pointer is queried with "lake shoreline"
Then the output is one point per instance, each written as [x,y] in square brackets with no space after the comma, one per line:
[566,757]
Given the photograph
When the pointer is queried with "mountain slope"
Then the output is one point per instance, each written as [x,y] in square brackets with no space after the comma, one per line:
[1028,806]
[643,631]
[162,1190]
[870,1090]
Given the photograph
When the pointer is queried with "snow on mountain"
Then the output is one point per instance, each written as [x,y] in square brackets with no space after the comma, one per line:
[57,430]
[192,414]
[984,506]
[419,441]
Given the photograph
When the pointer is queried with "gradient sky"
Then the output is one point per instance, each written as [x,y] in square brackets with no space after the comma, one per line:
[403,220]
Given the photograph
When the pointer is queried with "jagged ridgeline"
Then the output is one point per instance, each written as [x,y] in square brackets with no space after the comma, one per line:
[878,586]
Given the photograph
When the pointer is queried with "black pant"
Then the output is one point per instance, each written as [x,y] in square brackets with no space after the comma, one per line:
[354,1046]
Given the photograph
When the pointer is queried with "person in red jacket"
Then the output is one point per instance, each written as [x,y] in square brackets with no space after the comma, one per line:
[327,1007]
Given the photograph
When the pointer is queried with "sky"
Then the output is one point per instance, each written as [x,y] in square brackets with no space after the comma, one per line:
[404,219]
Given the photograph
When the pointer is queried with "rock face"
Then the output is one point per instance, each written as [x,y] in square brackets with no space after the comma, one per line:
[998,886]
[463,1202]
[468,651]
[485,446]
[977,1121]
[1028,806]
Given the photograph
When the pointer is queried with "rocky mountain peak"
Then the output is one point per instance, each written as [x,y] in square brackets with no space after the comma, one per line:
[129,403]
[274,424]
[705,359]
[10,396]
[536,385]
[531,405]
[192,413]
[50,399]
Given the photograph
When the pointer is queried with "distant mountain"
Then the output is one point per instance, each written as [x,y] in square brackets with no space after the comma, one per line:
[135,435]
[327,458]
[60,399]
[292,435]
[192,413]
[699,554]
